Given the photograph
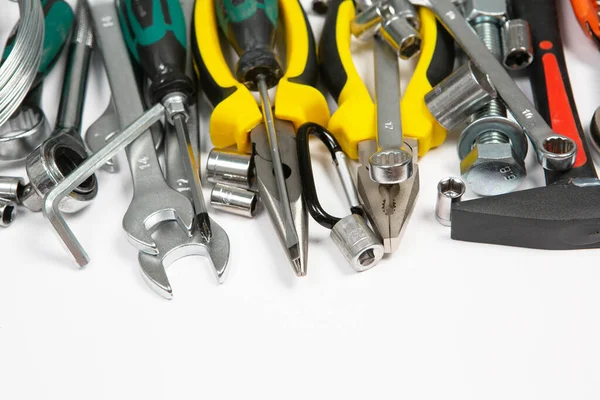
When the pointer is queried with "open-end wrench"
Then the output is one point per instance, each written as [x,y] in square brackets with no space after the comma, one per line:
[174,243]
[554,151]
[153,201]
[101,131]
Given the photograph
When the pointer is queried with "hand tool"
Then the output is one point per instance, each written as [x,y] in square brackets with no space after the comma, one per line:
[233,199]
[517,45]
[101,131]
[8,213]
[564,214]
[230,167]
[554,152]
[18,71]
[236,112]
[64,150]
[588,16]
[153,200]
[28,127]
[352,236]
[388,206]
[492,147]
[11,188]
[395,21]
[156,37]
[449,191]
[173,242]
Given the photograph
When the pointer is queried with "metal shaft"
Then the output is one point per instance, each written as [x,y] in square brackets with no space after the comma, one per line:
[387,95]
[191,168]
[291,236]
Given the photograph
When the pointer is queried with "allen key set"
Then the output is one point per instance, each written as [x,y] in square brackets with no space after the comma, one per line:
[161,57]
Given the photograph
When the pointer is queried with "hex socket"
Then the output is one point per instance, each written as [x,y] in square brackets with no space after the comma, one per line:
[460,95]
[234,200]
[517,43]
[11,188]
[230,168]
[449,191]
[8,213]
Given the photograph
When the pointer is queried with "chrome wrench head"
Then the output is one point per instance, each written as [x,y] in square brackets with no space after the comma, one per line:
[174,244]
[84,171]
[23,132]
[101,131]
[554,152]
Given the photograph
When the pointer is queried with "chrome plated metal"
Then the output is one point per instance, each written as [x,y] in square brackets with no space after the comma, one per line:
[23,132]
[11,188]
[8,213]
[229,167]
[554,151]
[460,95]
[356,241]
[517,43]
[101,131]
[234,200]
[449,191]
[153,200]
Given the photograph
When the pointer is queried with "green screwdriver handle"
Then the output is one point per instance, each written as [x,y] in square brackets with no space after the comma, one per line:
[250,27]
[58,19]
[155,34]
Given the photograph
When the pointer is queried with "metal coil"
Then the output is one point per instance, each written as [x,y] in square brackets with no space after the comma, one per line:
[20,68]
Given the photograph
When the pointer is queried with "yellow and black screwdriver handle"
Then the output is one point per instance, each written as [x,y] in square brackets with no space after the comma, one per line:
[354,121]
[236,111]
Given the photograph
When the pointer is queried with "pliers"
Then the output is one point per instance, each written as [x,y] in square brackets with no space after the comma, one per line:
[237,119]
[588,15]
[388,206]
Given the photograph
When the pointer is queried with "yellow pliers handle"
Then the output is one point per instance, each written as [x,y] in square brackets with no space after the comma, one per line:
[236,111]
[354,121]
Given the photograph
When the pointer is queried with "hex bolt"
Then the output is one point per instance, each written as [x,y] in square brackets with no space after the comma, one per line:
[492,147]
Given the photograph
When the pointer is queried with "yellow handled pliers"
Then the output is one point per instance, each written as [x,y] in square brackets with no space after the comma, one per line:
[354,122]
[237,118]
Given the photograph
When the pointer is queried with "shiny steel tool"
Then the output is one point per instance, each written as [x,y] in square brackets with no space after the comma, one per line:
[554,152]
[236,112]
[359,245]
[101,131]
[153,200]
[356,123]
[173,242]
[58,155]
[159,48]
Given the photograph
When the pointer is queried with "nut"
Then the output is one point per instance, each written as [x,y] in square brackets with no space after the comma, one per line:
[175,104]
[477,11]
[491,169]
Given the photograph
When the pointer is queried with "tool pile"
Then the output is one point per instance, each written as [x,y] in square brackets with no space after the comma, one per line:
[157,56]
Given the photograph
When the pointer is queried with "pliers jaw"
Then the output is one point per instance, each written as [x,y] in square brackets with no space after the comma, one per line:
[297,252]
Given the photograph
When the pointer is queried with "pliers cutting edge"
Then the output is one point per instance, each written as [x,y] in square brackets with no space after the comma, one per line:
[237,118]
[388,206]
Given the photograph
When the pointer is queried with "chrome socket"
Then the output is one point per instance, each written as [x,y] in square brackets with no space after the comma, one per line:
[460,95]
[449,191]
[357,242]
[517,43]
[230,168]
[11,189]
[234,200]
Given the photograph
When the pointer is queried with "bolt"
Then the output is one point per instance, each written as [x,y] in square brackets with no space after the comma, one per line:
[492,147]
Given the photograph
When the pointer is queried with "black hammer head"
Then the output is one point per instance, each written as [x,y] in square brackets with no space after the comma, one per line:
[562,216]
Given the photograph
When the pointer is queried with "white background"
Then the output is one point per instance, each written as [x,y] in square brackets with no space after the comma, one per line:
[439,319]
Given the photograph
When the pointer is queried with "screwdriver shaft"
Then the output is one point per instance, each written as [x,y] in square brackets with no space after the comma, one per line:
[190,166]
[291,236]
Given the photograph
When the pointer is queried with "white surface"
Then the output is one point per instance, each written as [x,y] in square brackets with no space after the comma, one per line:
[438,320]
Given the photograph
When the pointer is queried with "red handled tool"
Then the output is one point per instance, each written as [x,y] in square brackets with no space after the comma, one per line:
[588,15]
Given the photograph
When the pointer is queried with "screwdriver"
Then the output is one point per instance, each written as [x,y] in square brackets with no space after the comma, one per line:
[250,27]
[155,34]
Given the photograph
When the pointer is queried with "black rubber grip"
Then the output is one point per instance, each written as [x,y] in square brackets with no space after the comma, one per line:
[310,75]
[543,18]
[442,63]
[330,64]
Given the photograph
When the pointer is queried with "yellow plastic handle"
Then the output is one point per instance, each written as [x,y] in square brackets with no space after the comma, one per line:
[236,111]
[296,99]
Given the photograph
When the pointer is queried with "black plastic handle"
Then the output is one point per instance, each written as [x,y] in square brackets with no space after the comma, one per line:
[550,83]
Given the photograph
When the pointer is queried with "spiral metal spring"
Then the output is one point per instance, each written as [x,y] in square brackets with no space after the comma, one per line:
[18,72]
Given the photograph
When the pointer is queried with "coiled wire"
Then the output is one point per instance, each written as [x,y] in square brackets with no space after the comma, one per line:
[19,70]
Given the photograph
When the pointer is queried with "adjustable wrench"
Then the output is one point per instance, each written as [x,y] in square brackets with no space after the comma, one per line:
[554,152]
[153,200]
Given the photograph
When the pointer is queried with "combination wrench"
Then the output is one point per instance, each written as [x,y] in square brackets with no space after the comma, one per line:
[174,243]
[153,200]
[554,152]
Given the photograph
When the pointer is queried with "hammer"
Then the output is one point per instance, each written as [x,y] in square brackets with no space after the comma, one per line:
[564,214]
